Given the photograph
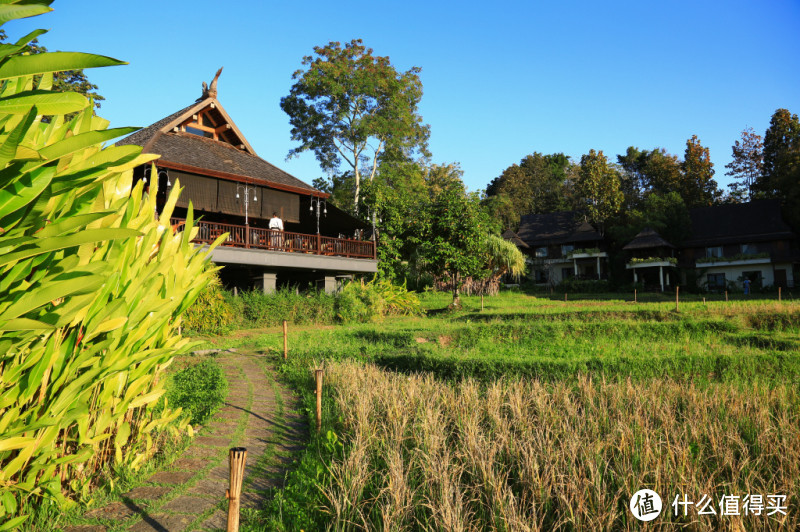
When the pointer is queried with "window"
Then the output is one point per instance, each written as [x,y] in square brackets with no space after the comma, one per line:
[566,273]
[541,253]
[199,132]
[749,249]
[716,281]
[566,248]
[540,276]
[753,277]
[714,252]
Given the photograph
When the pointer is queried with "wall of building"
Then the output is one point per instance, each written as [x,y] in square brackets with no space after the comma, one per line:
[736,273]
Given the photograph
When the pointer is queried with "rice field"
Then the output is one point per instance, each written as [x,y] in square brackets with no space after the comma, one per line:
[536,414]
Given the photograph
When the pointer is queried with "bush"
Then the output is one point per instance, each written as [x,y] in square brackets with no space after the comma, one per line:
[583,286]
[212,312]
[365,302]
[263,310]
[198,389]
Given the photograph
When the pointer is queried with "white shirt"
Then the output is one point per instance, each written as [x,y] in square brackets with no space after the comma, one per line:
[276,223]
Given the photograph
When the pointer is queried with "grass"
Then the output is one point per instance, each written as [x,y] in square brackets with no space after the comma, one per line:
[536,414]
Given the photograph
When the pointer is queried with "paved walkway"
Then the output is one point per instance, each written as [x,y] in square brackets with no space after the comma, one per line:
[189,493]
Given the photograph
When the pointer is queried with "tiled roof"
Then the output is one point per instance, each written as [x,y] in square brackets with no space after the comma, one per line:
[208,154]
[647,239]
[743,222]
[556,228]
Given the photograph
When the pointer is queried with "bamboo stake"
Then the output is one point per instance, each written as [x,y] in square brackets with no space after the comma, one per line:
[318,376]
[779,294]
[726,296]
[481,302]
[704,302]
[565,297]
[635,296]
[238,457]
[677,290]
[285,340]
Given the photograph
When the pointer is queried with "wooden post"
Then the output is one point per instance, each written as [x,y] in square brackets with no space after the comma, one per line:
[481,302]
[779,294]
[726,296]
[318,376]
[677,290]
[634,296]
[704,302]
[565,297]
[235,292]
[285,340]
[238,457]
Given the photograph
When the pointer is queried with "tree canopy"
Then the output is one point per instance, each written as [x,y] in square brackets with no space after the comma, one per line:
[351,107]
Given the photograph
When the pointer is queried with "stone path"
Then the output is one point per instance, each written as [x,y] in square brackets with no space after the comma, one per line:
[189,493]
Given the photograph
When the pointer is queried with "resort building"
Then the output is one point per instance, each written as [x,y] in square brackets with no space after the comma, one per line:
[234,191]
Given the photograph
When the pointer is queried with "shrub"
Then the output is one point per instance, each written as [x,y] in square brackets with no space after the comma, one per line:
[211,312]
[92,287]
[584,286]
[262,310]
[364,302]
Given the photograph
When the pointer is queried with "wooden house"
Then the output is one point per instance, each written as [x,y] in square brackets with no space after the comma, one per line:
[234,191]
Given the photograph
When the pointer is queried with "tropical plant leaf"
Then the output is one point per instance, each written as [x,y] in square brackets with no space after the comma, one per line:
[29,65]
[46,102]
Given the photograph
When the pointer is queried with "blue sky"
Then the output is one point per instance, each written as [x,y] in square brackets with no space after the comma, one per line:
[501,80]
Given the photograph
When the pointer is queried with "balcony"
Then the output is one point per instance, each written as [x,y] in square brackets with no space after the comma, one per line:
[255,238]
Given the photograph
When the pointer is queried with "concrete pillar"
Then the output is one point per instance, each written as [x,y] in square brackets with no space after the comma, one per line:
[635,280]
[667,277]
[269,281]
[329,284]
[661,277]
[575,263]
[598,268]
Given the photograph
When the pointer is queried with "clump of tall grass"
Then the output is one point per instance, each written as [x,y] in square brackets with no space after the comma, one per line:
[522,455]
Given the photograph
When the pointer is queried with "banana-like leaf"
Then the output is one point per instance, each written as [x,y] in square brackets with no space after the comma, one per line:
[46,102]
[83,140]
[29,65]
[15,12]
[38,246]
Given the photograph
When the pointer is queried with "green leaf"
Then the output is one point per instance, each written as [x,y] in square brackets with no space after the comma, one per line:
[9,148]
[53,290]
[24,190]
[12,524]
[84,140]
[27,65]
[14,12]
[46,102]
[61,242]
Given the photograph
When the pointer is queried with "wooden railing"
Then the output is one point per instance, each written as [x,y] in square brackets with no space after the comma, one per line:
[242,236]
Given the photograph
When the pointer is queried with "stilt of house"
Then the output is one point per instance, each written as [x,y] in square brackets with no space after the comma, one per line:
[269,280]
[598,268]
[661,277]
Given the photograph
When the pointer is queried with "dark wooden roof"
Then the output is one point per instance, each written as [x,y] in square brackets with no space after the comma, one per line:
[556,228]
[647,239]
[514,238]
[756,221]
[204,156]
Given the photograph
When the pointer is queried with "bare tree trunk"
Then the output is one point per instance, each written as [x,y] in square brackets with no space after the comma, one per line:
[456,304]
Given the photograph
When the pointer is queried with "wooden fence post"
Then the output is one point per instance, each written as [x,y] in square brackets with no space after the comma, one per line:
[318,376]
[565,297]
[779,294]
[238,457]
[704,302]
[285,340]
[481,302]
[726,296]
[677,290]
[635,296]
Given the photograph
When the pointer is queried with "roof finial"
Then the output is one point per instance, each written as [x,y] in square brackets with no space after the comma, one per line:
[211,92]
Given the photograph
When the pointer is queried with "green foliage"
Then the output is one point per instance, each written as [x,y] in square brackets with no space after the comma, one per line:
[503,257]
[212,312]
[360,302]
[746,165]
[263,310]
[698,188]
[648,260]
[92,287]
[599,185]
[198,390]
[538,184]
[582,286]
[354,106]
[738,256]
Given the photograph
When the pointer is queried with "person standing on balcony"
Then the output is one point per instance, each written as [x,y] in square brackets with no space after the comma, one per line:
[276,226]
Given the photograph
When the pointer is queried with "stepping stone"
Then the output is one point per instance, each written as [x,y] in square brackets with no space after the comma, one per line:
[115,510]
[189,464]
[222,473]
[229,414]
[209,488]
[214,441]
[85,528]
[201,452]
[147,493]
[172,478]
[218,519]
[187,504]
[162,523]
[249,499]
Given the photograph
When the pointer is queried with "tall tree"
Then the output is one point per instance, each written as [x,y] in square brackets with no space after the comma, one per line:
[781,156]
[538,184]
[350,105]
[599,185]
[746,166]
[697,186]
